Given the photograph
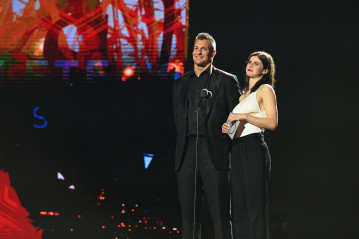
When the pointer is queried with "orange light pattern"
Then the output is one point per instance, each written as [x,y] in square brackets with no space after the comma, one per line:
[44,213]
[14,222]
[101,197]
[148,35]
[127,73]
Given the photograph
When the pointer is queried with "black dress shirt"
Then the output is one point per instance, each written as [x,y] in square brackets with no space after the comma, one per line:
[194,100]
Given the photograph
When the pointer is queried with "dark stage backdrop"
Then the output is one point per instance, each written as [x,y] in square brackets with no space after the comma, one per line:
[97,134]
[96,138]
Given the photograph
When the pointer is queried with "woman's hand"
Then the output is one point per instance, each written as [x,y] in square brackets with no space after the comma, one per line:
[237,116]
[225,128]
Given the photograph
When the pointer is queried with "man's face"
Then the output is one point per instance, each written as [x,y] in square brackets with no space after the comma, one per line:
[202,54]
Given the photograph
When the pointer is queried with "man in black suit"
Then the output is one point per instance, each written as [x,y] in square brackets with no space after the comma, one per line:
[202,150]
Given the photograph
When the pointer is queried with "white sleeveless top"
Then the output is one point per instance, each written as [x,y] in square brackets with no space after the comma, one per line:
[250,105]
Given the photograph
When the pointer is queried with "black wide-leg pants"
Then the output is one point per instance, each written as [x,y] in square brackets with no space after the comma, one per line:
[196,180]
[250,168]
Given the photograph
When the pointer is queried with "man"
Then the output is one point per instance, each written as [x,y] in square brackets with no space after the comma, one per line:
[202,150]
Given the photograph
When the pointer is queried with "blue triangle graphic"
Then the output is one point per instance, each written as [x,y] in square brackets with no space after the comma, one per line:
[147,158]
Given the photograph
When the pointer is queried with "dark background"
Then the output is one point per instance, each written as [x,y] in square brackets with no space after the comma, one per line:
[97,134]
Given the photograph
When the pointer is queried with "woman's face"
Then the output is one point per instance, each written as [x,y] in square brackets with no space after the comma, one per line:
[255,68]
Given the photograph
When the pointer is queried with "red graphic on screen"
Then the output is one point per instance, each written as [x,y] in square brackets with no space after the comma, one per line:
[14,221]
[37,36]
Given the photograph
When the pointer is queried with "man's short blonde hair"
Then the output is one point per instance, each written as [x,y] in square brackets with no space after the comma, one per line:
[206,36]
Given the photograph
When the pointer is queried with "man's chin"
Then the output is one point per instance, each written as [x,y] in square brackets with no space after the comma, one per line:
[201,64]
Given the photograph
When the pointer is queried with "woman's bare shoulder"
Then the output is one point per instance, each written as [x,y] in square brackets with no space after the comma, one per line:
[266,89]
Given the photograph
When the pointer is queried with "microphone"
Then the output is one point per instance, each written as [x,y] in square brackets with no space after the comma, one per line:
[206,94]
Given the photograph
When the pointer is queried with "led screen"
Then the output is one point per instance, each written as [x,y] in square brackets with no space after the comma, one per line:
[89,40]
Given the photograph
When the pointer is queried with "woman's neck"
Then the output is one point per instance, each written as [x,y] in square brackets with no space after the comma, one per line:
[253,81]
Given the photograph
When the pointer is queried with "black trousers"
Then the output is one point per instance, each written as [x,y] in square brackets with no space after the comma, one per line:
[196,179]
[250,168]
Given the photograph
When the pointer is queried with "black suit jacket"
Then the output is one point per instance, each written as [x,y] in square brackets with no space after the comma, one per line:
[225,96]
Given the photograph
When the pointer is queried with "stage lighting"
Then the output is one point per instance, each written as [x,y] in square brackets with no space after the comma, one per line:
[147,159]
[60,176]
[127,73]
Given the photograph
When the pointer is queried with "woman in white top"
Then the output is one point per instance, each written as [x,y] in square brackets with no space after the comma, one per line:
[250,162]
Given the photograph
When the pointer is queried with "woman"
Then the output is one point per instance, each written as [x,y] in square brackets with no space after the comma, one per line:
[250,164]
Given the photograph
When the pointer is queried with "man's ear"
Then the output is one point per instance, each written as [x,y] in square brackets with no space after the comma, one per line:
[214,52]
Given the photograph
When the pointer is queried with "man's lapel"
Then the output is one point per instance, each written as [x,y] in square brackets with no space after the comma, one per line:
[185,84]
[213,86]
